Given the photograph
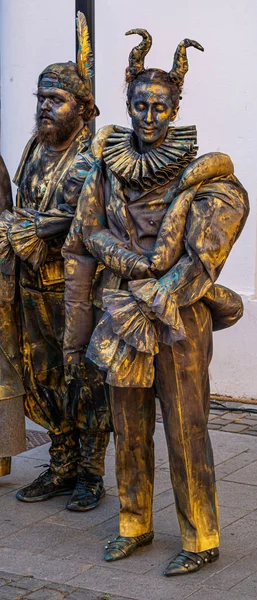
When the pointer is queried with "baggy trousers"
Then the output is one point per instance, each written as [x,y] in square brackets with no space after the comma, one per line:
[182,384]
[75,447]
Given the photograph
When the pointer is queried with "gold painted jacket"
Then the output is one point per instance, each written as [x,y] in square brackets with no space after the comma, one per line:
[161,226]
[11,385]
[36,235]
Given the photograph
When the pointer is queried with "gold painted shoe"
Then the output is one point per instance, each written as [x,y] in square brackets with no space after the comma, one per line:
[122,546]
[190,562]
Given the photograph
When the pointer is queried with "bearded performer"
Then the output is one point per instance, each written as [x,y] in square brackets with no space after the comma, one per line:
[50,178]
[162,223]
[12,431]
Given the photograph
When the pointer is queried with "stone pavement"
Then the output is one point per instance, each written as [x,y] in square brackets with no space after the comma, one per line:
[47,553]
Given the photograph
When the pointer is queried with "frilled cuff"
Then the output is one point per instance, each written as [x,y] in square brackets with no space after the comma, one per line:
[6,251]
[26,243]
[159,300]
[124,342]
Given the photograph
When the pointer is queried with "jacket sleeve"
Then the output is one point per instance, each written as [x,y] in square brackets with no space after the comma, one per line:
[111,252]
[214,222]
[5,188]
[80,267]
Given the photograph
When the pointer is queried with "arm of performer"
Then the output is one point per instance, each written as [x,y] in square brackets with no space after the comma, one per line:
[80,267]
[215,220]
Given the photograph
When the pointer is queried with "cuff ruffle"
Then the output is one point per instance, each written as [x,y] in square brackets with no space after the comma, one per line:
[26,243]
[169,324]
[124,342]
[6,251]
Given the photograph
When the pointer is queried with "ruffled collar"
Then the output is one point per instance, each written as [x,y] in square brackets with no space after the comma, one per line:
[154,168]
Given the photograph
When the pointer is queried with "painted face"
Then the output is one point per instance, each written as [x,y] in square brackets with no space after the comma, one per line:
[58,115]
[151,111]
[54,106]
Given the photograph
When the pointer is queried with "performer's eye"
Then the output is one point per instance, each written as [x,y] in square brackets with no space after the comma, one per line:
[57,100]
[160,107]
[140,106]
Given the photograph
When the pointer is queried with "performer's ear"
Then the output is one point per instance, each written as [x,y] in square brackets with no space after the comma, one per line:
[128,108]
[81,109]
[174,114]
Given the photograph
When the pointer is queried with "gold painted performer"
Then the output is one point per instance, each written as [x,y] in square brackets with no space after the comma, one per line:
[161,222]
[49,179]
[12,421]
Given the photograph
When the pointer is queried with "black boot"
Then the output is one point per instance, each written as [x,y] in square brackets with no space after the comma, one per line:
[46,486]
[88,492]
[190,562]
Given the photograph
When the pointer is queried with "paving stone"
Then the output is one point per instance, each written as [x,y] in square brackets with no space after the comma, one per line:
[206,593]
[245,421]
[235,495]
[235,463]
[229,515]
[55,570]
[163,500]
[235,573]
[239,538]
[87,595]
[216,411]
[108,508]
[139,588]
[213,426]
[38,537]
[45,594]
[246,475]
[9,593]
[234,428]
[250,431]
[232,416]
[15,515]
[220,421]
[30,583]
[166,521]
[9,576]
[248,586]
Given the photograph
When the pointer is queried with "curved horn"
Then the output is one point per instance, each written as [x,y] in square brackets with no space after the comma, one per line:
[180,62]
[137,55]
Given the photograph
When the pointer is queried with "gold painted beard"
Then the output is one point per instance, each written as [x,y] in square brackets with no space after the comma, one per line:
[57,130]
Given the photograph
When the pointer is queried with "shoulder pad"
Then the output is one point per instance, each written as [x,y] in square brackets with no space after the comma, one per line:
[207,166]
[98,143]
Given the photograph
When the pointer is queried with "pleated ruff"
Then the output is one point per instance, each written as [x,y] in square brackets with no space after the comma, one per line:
[154,168]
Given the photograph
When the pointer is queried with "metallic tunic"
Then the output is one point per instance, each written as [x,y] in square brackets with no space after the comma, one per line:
[161,225]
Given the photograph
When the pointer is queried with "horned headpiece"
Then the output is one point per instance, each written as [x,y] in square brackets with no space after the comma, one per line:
[75,78]
[180,62]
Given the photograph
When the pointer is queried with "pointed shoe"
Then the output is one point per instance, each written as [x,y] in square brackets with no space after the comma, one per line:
[189,562]
[122,546]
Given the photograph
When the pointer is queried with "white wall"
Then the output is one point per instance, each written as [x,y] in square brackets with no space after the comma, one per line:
[33,34]
[219,97]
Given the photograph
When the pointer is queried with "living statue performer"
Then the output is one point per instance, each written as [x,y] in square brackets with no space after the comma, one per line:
[12,421]
[161,222]
[50,178]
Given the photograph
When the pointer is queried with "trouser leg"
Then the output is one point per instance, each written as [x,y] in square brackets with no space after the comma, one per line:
[94,423]
[183,387]
[93,447]
[64,454]
[64,450]
[133,413]
[5,465]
